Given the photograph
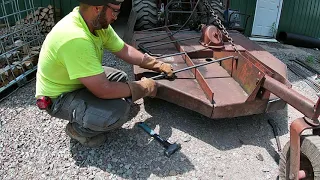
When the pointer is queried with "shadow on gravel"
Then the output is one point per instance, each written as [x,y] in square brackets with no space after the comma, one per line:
[223,134]
[131,153]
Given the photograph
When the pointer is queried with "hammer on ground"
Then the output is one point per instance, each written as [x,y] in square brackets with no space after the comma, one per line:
[169,148]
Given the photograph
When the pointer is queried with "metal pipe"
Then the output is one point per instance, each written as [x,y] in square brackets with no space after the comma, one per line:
[191,67]
[159,27]
[298,40]
[158,34]
[164,43]
[296,128]
[181,53]
[159,56]
[295,99]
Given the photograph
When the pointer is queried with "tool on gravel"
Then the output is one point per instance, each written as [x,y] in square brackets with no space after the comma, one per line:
[169,148]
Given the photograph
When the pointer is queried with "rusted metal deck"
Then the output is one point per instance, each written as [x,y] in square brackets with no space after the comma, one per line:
[251,81]
[230,88]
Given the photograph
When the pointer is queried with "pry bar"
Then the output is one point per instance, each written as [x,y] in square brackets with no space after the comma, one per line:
[191,67]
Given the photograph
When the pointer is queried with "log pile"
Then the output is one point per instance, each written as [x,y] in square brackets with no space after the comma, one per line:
[44,16]
[14,64]
[19,57]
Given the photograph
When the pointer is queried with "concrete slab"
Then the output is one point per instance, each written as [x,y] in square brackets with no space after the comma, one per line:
[263,39]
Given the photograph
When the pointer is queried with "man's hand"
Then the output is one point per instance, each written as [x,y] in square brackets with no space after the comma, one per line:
[133,56]
[167,68]
[144,87]
[149,62]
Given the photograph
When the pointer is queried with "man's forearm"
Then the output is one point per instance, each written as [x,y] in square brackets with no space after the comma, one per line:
[114,90]
[133,89]
[130,55]
[101,87]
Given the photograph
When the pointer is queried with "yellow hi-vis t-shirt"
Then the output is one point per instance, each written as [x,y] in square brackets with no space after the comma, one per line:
[70,51]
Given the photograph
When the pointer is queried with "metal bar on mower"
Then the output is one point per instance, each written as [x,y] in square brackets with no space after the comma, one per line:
[191,67]
[159,27]
[181,53]
[164,43]
[292,97]
[185,12]
[296,128]
[159,34]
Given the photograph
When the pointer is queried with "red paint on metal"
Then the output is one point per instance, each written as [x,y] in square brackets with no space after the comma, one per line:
[317,109]
[295,99]
[205,87]
[264,57]
[280,75]
[199,77]
[243,71]
[212,37]
[194,99]
[236,87]
[232,88]
[296,128]
[239,109]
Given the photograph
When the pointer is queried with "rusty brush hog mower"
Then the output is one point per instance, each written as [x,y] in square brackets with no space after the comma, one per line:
[220,73]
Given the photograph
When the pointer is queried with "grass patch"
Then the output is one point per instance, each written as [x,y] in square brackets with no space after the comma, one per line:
[310,59]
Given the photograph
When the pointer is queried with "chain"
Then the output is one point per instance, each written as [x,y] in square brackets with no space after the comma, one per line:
[221,26]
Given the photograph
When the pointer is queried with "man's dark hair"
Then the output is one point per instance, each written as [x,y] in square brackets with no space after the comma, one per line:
[84,6]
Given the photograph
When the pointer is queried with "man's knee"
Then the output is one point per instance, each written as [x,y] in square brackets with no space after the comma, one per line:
[90,112]
[108,118]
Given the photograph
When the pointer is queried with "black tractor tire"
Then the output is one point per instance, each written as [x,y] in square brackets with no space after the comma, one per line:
[218,9]
[147,14]
[309,158]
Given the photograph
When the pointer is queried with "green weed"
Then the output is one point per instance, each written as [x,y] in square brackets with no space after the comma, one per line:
[310,59]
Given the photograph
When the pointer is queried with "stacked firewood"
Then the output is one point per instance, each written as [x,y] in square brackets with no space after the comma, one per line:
[12,65]
[18,57]
[44,16]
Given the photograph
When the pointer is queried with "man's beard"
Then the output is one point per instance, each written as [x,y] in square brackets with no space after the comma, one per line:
[101,21]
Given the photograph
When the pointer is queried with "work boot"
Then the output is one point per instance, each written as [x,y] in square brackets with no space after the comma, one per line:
[94,141]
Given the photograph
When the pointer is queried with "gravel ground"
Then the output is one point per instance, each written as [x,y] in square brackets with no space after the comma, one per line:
[34,146]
